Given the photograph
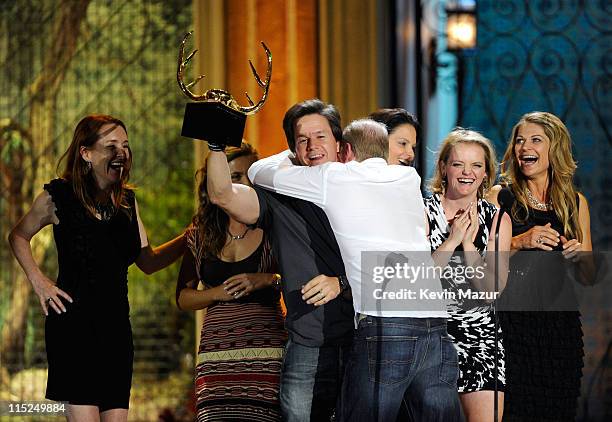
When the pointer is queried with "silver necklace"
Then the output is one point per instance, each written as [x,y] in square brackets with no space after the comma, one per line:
[240,236]
[535,203]
[106,211]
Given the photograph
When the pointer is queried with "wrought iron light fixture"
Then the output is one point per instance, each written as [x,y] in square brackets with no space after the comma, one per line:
[461,25]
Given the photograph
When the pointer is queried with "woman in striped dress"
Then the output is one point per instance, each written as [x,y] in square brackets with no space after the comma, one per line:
[242,338]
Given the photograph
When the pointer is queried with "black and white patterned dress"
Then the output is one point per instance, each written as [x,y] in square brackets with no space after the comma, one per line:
[471,327]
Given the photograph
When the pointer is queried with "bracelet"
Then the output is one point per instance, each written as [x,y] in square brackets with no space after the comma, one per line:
[216,147]
[343,282]
[276,281]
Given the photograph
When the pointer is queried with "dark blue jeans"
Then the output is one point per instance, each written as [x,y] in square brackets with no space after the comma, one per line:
[311,380]
[395,359]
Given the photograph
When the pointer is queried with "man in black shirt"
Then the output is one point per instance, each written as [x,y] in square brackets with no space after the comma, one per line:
[319,318]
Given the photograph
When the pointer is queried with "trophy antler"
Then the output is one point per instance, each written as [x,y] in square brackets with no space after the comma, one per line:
[219,95]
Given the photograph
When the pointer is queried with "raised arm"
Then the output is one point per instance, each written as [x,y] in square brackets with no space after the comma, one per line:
[41,214]
[239,201]
[150,259]
[278,174]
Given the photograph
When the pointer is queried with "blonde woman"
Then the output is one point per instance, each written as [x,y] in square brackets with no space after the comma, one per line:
[461,220]
[544,349]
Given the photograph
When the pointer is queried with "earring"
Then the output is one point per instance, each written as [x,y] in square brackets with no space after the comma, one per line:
[87,166]
[444,183]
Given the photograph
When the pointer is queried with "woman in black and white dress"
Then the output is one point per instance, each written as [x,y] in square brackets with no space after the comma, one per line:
[461,221]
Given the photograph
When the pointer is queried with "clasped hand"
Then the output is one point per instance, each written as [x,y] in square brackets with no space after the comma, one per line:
[464,227]
[241,285]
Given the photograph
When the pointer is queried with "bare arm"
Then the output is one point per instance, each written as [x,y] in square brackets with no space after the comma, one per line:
[461,234]
[187,295]
[150,259]
[579,252]
[584,219]
[487,283]
[235,287]
[491,196]
[238,201]
[458,229]
[537,237]
[41,214]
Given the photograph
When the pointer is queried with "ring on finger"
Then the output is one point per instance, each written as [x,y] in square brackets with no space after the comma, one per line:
[539,241]
[49,299]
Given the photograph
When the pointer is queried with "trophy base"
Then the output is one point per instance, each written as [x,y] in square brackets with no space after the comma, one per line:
[213,122]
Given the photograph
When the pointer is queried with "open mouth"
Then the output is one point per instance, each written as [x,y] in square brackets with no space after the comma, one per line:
[528,159]
[465,181]
[117,165]
[404,162]
[314,157]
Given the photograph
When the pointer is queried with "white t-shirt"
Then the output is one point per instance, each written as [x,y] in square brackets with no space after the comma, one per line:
[374,209]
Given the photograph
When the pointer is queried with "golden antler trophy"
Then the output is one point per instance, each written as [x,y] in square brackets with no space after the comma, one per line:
[215,116]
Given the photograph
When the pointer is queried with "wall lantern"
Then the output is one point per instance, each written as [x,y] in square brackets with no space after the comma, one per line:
[461,26]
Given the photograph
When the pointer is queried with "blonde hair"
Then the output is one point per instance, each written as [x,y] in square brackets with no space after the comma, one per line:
[561,169]
[458,136]
[367,138]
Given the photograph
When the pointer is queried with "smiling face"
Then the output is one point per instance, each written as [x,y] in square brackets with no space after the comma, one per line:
[402,144]
[531,147]
[109,156]
[465,170]
[314,141]
[239,168]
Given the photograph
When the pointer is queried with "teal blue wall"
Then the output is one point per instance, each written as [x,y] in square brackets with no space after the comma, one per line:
[550,56]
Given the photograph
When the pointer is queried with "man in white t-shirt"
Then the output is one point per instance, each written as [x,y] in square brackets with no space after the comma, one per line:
[401,350]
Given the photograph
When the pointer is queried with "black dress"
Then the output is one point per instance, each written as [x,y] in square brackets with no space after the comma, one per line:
[241,347]
[544,349]
[89,348]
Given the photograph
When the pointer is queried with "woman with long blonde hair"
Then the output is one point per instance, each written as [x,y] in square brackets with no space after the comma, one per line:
[463,224]
[544,349]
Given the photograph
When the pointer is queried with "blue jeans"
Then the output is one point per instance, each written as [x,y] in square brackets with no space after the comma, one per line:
[395,359]
[311,378]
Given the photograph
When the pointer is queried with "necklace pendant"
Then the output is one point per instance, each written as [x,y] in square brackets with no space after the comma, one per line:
[106,211]
[535,203]
[239,236]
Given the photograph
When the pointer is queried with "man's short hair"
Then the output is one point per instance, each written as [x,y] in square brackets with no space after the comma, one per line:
[313,106]
[367,138]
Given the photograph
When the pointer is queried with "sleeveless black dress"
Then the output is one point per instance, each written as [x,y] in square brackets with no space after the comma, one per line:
[89,348]
[544,349]
[241,348]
